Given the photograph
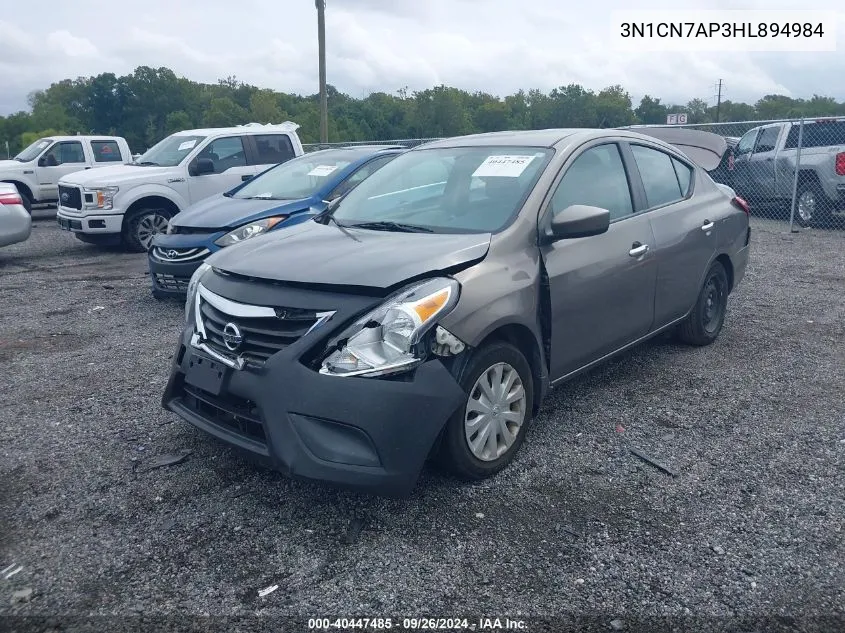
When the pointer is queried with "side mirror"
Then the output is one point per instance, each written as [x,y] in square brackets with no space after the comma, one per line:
[580,220]
[42,162]
[203,166]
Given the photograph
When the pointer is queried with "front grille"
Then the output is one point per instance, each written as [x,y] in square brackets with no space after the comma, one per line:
[179,254]
[170,282]
[70,197]
[238,415]
[261,336]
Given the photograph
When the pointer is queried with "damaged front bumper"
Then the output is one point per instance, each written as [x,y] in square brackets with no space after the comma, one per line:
[370,434]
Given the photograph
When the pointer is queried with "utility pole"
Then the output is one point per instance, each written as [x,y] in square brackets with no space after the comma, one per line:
[321,38]
[718,101]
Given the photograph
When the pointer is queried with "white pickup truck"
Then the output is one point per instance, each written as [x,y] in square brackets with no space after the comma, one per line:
[36,171]
[130,204]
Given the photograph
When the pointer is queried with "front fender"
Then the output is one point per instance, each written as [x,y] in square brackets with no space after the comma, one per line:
[148,190]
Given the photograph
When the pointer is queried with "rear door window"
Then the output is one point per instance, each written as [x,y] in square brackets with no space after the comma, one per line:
[273,148]
[106,152]
[658,175]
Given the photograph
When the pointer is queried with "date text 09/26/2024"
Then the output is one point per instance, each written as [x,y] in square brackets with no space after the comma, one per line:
[417,624]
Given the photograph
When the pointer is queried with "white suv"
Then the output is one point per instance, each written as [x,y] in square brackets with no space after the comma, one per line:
[129,204]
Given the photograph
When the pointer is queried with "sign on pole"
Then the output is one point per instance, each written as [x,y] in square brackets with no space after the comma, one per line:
[671,119]
[682,119]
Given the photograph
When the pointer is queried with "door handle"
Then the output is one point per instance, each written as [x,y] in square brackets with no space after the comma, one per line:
[707,225]
[637,249]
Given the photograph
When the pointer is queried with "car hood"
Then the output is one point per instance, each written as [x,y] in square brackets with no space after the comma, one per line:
[120,175]
[218,212]
[13,166]
[315,253]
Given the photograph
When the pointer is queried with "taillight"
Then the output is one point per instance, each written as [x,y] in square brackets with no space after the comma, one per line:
[742,204]
[840,164]
[10,198]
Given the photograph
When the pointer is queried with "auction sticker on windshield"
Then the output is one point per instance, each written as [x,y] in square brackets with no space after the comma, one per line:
[187,145]
[322,170]
[502,165]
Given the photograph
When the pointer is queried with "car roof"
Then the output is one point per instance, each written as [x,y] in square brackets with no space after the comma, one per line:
[248,128]
[79,137]
[359,151]
[526,138]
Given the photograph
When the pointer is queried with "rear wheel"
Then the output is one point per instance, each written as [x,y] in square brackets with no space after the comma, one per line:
[483,436]
[811,204]
[704,323]
[141,226]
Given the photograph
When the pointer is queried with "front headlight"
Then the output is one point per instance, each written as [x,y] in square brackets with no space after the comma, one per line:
[385,341]
[249,230]
[192,290]
[103,197]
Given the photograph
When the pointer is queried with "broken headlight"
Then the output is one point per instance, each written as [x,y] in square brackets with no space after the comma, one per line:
[385,340]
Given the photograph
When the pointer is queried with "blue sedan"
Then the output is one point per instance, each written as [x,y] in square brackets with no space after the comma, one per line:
[284,195]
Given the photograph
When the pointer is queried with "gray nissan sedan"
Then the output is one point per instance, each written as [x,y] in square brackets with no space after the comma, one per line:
[427,312]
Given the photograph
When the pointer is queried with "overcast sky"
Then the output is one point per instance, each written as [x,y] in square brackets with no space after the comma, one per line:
[497,46]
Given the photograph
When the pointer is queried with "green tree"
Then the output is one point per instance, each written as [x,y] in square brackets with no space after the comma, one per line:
[650,111]
[177,121]
[264,107]
[224,112]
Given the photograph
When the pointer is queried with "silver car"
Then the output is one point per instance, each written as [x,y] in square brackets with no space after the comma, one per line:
[427,313]
[15,221]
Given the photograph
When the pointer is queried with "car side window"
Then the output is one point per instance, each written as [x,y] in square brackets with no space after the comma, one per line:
[658,175]
[746,143]
[65,152]
[596,178]
[358,176]
[684,174]
[106,151]
[273,148]
[767,140]
[225,153]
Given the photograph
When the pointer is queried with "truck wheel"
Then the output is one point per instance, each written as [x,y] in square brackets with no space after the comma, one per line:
[27,201]
[811,204]
[141,226]
[704,323]
[482,437]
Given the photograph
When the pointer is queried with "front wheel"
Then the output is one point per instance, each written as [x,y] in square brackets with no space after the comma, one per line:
[483,436]
[703,324]
[140,227]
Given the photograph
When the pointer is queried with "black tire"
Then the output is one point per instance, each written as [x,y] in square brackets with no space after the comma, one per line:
[807,215]
[455,454]
[27,201]
[132,227]
[703,325]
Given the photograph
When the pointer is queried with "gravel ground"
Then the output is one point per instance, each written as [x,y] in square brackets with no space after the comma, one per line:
[751,526]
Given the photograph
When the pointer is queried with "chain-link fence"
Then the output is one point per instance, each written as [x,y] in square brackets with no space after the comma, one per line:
[789,169]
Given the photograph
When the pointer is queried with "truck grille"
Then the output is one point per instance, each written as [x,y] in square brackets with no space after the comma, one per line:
[70,197]
[261,337]
[179,254]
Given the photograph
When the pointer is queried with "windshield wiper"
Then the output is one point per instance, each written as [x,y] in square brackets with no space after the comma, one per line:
[392,226]
[330,218]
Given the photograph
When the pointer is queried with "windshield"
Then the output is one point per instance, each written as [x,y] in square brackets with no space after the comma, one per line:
[33,150]
[171,151]
[449,190]
[299,177]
